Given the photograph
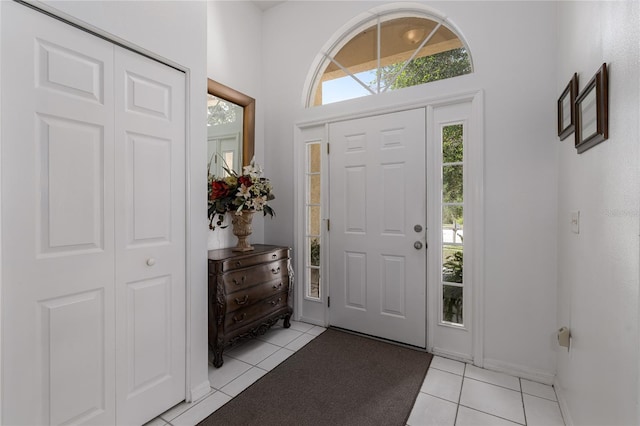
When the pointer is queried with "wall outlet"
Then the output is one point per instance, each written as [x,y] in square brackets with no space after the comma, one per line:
[575,222]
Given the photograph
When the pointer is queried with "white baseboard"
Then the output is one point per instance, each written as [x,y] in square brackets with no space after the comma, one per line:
[199,391]
[528,373]
[564,407]
[311,321]
[450,354]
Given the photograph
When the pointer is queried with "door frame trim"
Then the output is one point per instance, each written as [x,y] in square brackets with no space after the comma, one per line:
[476,152]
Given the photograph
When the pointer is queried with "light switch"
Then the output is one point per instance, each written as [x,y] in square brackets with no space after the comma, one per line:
[575,222]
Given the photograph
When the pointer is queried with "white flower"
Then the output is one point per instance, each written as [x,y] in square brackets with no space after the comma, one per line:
[259,203]
[243,191]
[254,170]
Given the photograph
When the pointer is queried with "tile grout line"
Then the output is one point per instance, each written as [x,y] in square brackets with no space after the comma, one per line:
[524,410]
[464,377]
[564,422]
[455,419]
[493,384]
[492,415]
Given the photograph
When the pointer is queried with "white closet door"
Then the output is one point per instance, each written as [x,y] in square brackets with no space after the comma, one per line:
[58,320]
[150,237]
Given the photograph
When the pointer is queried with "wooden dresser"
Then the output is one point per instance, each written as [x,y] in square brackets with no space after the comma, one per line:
[248,293]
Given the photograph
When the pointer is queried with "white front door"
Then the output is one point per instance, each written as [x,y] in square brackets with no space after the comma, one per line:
[92,212]
[377,256]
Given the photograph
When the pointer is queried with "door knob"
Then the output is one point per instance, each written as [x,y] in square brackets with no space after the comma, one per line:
[417,245]
[151,261]
[417,228]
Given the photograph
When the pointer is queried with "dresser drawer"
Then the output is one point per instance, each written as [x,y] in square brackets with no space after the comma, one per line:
[248,277]
[256,311]
[247,261]
[249,296]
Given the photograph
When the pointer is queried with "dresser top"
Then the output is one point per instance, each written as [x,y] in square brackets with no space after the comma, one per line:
[226,253]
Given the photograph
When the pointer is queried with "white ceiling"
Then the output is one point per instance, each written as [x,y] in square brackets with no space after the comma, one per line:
[266,4]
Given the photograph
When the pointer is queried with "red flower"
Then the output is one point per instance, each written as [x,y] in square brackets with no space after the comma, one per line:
[219,190]
[245,180]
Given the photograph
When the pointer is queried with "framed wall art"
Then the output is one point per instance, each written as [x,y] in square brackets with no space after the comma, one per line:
[566,108]
[592,112]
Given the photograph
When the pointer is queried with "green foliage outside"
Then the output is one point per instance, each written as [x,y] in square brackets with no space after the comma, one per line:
[452,304]
[452,296]
[452,177]
[452,268]
[442,65]
[315,252]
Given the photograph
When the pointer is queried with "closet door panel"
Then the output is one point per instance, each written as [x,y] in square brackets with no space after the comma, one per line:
[58,330]
[150,237]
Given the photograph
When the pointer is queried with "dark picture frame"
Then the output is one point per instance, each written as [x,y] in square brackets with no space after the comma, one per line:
[592,112]
[566,108]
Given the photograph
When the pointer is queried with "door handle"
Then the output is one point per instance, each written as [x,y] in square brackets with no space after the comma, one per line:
[417,245]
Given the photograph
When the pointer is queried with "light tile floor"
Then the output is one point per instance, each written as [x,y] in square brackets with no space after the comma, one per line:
[453,393]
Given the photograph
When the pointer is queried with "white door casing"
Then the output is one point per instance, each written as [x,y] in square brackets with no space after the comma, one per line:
[464,342]
[82,319]
[377,198]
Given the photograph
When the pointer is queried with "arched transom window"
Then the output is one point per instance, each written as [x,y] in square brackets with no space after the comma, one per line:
[388,52]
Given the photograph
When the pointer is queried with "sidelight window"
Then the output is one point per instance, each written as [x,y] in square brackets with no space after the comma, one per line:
[313,219]
[452,139]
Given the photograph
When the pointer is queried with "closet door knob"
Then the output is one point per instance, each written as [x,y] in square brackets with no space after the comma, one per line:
[151,261]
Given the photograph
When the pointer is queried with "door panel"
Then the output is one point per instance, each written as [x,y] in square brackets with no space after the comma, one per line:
[72,185]
[74,374]
[150,237]
[57,222]
[148,172]
[377,195]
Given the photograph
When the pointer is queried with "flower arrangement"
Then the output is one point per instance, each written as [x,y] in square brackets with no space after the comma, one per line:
[237,193]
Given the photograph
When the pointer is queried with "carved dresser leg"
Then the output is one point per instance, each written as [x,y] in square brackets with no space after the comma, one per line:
[217,358]
[287,321]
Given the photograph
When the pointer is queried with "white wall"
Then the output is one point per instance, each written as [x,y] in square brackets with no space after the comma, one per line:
[513,55]
[176,32]
[234,58]
[598,269]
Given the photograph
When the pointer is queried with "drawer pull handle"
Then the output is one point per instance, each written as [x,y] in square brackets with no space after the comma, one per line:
[242,317]
[243,300]
[275,287]
[275,270]
[275,302]
[273,256]
[238,263]
[236,282]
